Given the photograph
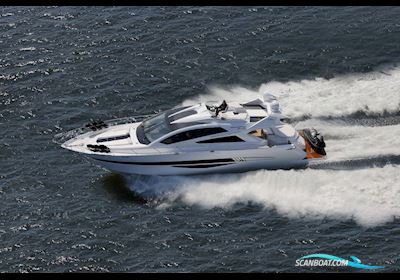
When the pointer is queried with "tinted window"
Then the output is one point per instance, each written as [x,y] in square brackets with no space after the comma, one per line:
[173,111]
[141,136]
[255,119]
[223,140]
[253,106]
[195,133]
[156,126]
[181,115]
[176,126]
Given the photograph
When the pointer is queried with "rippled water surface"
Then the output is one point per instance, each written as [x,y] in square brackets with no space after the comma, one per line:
[334,68]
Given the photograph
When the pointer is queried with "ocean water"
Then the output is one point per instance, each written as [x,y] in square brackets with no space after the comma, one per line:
[333,68]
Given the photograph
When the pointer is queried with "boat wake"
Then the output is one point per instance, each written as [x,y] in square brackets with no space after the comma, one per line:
[358,181]
[367,196]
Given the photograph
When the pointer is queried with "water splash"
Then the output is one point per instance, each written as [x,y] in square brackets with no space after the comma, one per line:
[370,197]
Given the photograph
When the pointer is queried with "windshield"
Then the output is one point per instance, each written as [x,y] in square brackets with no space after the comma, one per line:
[156,127]
[159,125]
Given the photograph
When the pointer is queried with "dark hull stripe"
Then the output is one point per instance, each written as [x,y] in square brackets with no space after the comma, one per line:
[201,166]
[221,160]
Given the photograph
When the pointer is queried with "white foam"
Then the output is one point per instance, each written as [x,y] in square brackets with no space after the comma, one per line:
[28,49]
[370,197]
[373,92]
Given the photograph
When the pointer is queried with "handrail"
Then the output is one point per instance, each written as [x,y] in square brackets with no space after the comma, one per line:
[67,135]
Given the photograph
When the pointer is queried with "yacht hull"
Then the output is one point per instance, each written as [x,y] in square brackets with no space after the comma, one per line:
[205,162]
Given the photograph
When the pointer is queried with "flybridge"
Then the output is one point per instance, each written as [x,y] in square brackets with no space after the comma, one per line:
[235,113]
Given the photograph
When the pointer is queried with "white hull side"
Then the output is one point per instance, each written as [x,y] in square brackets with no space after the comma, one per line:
[205,162]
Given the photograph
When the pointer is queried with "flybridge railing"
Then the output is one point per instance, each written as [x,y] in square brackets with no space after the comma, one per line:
[96,126]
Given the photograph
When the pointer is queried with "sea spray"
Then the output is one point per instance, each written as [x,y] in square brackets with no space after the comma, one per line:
[370,197]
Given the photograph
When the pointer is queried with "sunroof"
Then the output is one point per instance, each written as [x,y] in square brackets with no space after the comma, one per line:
[181,115]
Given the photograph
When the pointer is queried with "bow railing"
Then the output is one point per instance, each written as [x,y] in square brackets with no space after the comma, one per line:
[96,126]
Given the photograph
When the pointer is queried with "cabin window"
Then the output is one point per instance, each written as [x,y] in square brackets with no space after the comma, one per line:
[253,106]
[228,139]
[191,134]
[255,119]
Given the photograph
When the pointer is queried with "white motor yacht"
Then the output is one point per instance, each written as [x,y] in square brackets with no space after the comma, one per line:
[199,139]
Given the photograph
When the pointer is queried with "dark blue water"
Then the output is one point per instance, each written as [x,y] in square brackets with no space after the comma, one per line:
[336,69]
